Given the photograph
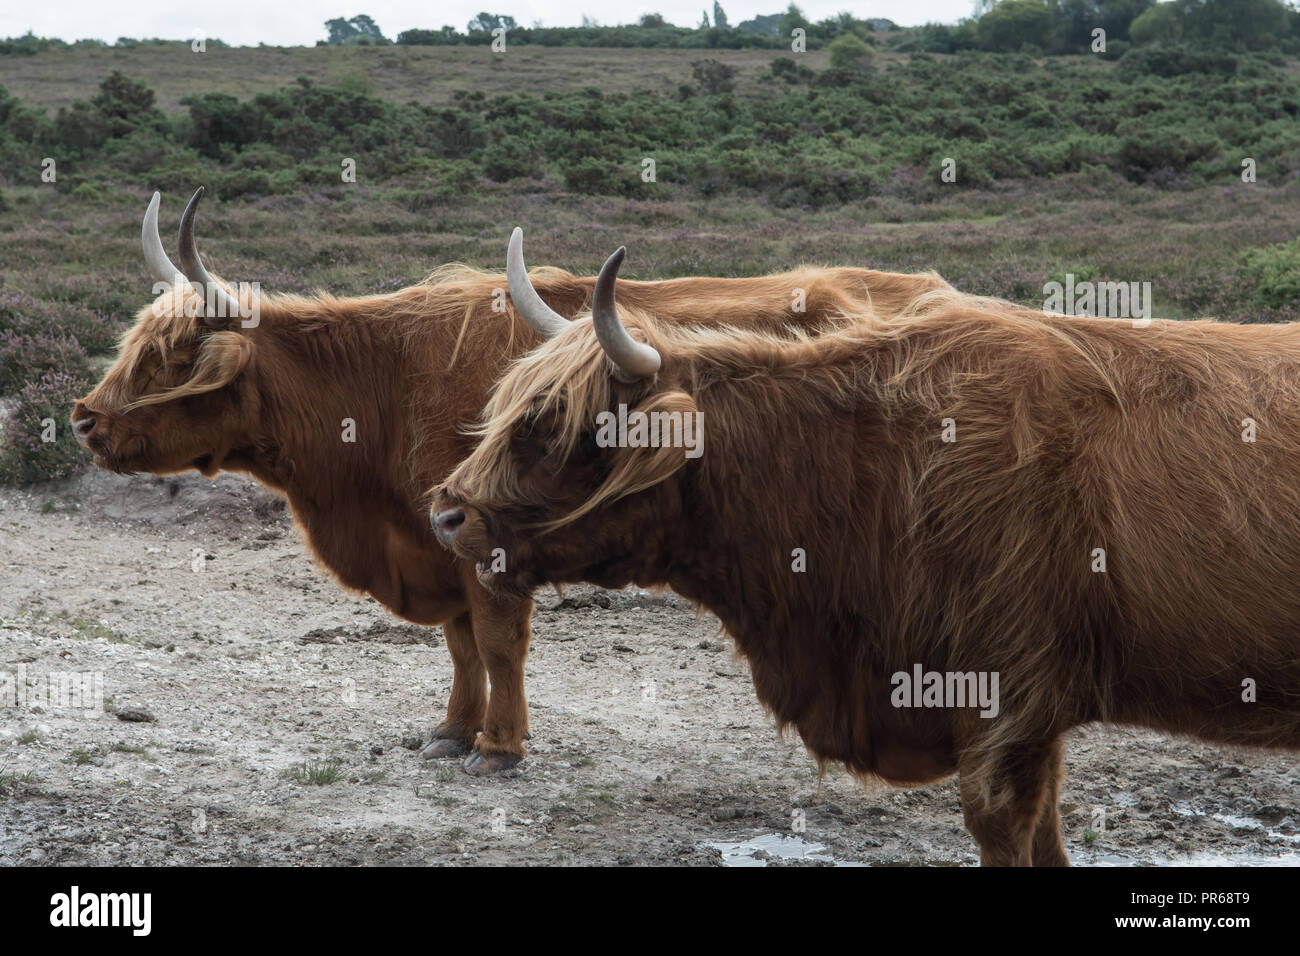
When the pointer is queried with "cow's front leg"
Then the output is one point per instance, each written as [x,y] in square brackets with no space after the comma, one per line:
[502,631]
[1003,801]
[466,707]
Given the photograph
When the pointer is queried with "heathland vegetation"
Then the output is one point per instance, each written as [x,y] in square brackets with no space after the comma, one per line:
[1172,157]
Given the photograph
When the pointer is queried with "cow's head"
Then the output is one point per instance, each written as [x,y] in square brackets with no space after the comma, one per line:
[175,398]
[545,496]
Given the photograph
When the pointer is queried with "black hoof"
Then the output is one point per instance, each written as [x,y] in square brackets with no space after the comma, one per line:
[441,747]
[480,765]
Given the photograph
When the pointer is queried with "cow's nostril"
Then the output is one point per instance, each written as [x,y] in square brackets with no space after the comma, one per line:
[447,523]
[83,427]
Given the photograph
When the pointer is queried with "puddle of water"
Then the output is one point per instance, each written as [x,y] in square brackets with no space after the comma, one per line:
[1240,857]
[1200,808]
[759,850]
[1237,821]
[1201,858]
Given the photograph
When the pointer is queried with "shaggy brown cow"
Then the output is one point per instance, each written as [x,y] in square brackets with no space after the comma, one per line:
[195,388]
[1094,521]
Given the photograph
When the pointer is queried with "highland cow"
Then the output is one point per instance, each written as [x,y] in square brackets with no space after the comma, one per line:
[941,538]
[273,385]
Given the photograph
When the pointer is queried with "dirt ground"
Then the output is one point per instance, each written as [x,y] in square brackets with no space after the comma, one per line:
[282,716]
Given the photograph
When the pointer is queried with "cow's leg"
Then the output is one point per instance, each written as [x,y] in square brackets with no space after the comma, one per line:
[1049,848]
[1004,815]
[468,702]
[502,631]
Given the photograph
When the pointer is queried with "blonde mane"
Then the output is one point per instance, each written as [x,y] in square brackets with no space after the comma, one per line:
[568,380]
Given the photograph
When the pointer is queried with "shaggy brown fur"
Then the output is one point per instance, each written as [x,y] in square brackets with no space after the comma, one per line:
[1071,434]
[409,369]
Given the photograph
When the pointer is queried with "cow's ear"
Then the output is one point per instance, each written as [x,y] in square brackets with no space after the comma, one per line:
[224,312]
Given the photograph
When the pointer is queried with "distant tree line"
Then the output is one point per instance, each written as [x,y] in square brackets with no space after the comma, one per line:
[361,30]
[1068,26]
[29,44]
[999,26]
[769,31]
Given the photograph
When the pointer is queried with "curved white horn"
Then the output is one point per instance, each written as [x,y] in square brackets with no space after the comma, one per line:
[160,267]
[540,317]
[227,306]
[632,359]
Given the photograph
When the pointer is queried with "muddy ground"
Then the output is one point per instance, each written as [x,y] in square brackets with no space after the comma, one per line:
[284,713]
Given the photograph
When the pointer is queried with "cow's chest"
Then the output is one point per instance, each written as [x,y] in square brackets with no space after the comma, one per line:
[408,573]
[842,710]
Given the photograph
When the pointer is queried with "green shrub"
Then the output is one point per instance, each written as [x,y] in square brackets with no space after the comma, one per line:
[92,193]
[1014,24]
[262,156]
[1175,151]
[1275,271]
[355,81]
[787,69]
[140,151]
[1169,61]
[1159,24]
[218,122]
[849,53]
[122,107]
[236,182]
[589,175]
[1115,49]
[509,158]
[713,76]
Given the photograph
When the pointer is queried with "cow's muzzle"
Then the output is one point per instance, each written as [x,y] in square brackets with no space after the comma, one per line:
[447,524]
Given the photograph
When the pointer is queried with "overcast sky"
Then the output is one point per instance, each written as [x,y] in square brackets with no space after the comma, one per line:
[301,23]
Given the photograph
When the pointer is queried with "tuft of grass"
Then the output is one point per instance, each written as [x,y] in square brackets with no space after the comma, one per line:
[122,747]
[30,737]
[11,780]
[94,631]
[317,773]
[440,799]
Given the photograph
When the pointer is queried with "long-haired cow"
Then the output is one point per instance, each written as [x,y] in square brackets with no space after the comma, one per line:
[942,539]
[270,385]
